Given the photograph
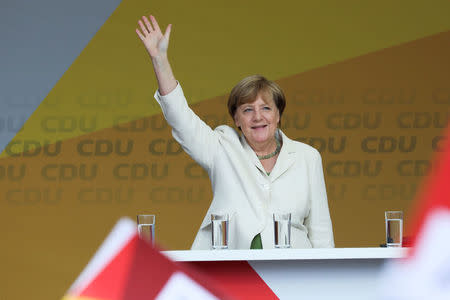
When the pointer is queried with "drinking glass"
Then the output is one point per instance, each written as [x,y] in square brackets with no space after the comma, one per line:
[282,230]
[394,228]
[146,227]
[219,231]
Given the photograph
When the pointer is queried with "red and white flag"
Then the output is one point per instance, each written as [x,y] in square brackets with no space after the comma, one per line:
[425,272]
[127,268]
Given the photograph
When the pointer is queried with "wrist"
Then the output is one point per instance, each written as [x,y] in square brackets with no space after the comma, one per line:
[160,59]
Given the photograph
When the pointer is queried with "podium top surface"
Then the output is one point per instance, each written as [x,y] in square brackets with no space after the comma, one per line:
[286,254]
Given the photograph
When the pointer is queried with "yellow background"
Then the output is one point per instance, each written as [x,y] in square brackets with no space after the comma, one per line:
[344,66]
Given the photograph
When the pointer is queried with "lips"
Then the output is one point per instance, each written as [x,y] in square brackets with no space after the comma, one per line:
[259,127]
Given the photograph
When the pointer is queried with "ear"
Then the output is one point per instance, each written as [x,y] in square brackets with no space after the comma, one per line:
[236,121]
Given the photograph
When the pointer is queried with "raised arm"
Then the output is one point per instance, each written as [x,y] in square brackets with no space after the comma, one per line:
[157,44]
[195,136]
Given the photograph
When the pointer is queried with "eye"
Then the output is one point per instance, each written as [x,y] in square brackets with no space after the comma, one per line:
[267,108]
[247,109]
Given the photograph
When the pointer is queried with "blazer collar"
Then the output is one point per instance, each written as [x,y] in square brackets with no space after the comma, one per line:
[285,159]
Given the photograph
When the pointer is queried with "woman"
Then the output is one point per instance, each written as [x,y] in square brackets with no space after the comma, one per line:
[253,174]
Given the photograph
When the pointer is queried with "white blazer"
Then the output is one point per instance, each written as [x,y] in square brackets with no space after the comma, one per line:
[242,188]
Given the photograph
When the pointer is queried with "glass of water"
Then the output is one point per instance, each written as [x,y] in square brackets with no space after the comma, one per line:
[146,228]
[282,230]
[219,231]
[394,228]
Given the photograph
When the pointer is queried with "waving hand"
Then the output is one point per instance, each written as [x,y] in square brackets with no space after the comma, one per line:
[150,34]
[156,44]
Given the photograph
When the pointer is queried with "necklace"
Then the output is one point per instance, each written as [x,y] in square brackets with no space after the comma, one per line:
[277,150]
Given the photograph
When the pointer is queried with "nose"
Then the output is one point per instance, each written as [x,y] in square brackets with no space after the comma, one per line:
[257,115]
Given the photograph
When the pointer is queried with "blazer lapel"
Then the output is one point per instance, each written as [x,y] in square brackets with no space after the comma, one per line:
[251,154]
[285,159]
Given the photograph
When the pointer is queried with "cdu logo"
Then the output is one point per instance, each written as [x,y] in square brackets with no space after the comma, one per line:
[90,147]
[353,168]
[12,123]
[29,148]
[332,144]
[138,171]
[13,172]
[68,124]
[66,172]
[388,144]
[123,123]
[367,120]
[421,120]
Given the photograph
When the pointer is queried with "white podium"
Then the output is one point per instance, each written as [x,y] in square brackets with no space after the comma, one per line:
[339,273]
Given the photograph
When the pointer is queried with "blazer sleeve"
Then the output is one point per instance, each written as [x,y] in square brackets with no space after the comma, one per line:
[194,135]
[318,222]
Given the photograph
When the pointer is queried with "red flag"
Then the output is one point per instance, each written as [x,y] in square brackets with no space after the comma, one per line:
[435,196]
[126,267]
[425,272]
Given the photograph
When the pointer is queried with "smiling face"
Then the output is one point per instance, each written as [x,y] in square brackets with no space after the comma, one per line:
[258,121]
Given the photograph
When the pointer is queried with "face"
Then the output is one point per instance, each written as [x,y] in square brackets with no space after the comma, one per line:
[258,120]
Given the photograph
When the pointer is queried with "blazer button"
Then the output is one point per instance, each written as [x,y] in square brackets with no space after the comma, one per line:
[266,186]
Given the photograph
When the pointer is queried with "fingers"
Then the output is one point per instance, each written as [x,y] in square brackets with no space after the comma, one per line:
[147,23]
[155,23]
[167,33]
[140,35]
[147,28]
[143,28]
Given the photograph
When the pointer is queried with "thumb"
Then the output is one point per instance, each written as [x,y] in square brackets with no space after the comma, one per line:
[167,33]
